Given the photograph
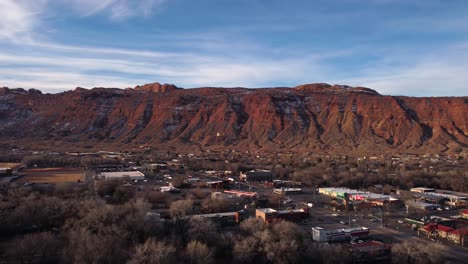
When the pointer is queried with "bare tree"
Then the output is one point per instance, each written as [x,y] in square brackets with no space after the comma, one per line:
[198,253]
[417,253]
[201,229]
[247,250]
[153,251]
[180,208]
[34,248]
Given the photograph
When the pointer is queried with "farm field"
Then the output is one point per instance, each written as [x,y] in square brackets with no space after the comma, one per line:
[51,175]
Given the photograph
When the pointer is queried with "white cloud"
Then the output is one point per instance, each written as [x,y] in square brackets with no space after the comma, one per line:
[57,71]
[440,73]
[19,18]
[116,9]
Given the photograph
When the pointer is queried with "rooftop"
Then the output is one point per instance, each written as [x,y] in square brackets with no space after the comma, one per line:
[122,174]
[267,210]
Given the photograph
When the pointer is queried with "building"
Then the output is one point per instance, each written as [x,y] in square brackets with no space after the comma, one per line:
[454,199]
[6,172]
[320,234]
[422,205]
[341,193]
[422,190]
[192,180]
[464,214]
[269,215]
[169,188]
[356,196]
[287,191]
[224,219]
[120,175]
[257,176]
[241,193]
[371,252]
[455,231]
[430,198]
[224,184]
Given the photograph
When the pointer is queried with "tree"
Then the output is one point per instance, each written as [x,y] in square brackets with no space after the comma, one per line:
[247,250]
[417,253]
[153,251]
[180,208]
[252,225]
[87,247]
[201,229]
[34,248]
[198,252]
[178,181]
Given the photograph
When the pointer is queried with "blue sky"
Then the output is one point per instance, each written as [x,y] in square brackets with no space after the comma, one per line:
[397,47]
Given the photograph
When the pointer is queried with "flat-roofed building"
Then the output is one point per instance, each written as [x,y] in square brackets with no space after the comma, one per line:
[269,215]
[241,193]
[257,176]
[422,190]
[6,172]
[119,175]
[283,190]
[320,234]
[228,218]
[371,252]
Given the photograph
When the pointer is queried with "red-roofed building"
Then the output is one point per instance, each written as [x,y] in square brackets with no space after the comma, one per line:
[464,213]
[459,236]
[458,233]
[371,252]
[443,230]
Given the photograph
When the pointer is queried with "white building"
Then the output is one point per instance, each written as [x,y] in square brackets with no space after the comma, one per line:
[118,175]
[320,234]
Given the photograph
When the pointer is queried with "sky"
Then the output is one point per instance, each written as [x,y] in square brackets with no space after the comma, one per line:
[396,47]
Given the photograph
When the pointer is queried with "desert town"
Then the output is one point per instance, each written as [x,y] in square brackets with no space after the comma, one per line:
[366,221]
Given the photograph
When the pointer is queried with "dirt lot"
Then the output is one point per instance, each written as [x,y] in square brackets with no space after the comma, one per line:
[52,175]
[9,165]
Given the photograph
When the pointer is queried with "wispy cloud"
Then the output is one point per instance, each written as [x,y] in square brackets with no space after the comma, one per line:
[185,70]
[116,9]
[19,18]
[440,73]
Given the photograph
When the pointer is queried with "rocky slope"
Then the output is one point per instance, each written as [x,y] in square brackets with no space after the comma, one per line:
[312,117]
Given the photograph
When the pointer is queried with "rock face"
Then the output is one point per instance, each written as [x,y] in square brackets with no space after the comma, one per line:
[156,87]
[313,117]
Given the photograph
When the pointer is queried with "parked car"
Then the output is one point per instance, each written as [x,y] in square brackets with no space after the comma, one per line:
[343,222]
